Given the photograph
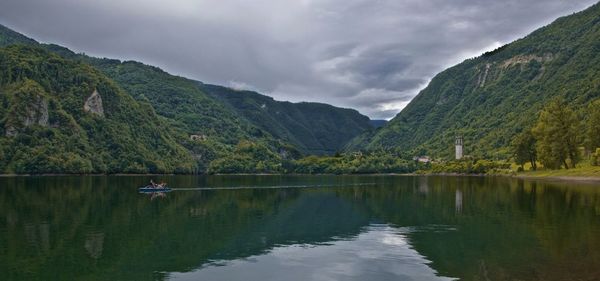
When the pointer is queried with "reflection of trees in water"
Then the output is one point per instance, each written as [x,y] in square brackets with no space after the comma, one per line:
[38,236]
[94,243]
[88,227]
[513,229]
[178,233]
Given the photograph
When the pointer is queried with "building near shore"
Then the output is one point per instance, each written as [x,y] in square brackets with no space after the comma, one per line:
[458,144]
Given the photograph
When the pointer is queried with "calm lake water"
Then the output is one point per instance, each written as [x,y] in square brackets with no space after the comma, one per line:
[308,228]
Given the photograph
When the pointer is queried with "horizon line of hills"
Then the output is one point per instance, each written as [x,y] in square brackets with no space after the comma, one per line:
[62,112]
[67,112]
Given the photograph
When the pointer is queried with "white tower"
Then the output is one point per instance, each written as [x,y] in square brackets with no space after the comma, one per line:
[459,147]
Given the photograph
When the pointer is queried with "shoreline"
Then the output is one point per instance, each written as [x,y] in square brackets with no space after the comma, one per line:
[587,179]
[580,179]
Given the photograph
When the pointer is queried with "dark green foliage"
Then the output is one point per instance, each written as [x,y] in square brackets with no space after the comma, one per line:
[557,132]
[355,163]
[471,167]
[492,98]
[10,37]
[186,108]
[524,149]
[46,130]
[595,158]
[248,157]
[312,127]
[178,99]
[592,138]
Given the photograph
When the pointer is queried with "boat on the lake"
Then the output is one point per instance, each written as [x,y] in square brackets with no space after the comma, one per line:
[152,189]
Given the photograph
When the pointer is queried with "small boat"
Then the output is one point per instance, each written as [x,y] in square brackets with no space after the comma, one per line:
[151,189]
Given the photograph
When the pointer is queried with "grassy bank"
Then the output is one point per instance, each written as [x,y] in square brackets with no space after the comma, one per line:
[584,171]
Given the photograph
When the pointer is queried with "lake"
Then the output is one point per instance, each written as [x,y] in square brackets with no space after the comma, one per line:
[298,228]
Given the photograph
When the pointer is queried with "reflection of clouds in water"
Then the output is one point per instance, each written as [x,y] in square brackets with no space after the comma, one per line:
[379,253]
[395,240]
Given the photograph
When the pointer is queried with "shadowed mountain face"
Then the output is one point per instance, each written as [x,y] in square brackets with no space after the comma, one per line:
[313,127]
[98,228]
[491,98]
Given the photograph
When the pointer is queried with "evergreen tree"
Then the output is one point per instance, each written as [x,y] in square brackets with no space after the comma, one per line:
[557,135]
[592,141]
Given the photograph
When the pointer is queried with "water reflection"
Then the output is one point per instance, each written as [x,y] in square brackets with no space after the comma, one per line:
[409,228]
[379,252]
[458,201]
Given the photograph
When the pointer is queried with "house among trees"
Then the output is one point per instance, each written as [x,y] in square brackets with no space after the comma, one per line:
[198,137]
[422,159]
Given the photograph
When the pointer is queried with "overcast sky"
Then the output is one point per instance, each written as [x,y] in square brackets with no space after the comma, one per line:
[371,55]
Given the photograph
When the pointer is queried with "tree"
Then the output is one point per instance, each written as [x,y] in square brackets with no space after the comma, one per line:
[557,132]
[592,141]
[524,149]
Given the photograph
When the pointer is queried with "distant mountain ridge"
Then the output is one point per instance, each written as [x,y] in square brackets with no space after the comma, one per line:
[315,128]
[207,125]
[491,98]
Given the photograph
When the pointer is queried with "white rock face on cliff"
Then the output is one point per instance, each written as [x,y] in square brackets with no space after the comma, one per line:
[93,104]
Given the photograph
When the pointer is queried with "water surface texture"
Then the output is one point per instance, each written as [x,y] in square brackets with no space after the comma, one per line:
[298,228]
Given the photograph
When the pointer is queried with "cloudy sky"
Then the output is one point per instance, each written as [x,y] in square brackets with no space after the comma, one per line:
[371,55]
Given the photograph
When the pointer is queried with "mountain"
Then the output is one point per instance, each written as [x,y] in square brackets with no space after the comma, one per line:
[313,128]
[491,98]
[11,37]
[378,123]
[199,122]
[64,116]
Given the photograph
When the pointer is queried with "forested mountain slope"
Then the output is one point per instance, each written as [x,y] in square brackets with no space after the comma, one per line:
[64,116]
[315,128]
[224,118]
[490,98]
[172,123]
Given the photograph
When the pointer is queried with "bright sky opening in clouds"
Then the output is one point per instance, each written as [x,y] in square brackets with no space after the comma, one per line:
[371,55]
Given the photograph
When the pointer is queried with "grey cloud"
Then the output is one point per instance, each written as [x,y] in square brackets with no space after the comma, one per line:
[370,55]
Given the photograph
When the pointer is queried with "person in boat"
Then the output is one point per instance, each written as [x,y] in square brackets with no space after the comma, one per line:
[162,184]
[153,184]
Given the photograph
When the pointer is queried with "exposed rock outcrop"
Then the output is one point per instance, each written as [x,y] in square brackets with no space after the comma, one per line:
[523,59]
[483,76]
[93,104]
[35,113]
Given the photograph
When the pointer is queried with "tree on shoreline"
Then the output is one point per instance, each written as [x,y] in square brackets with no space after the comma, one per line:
[557,135]
[524,149]
[592,140]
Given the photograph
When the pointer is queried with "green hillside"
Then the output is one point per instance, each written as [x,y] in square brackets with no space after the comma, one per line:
[491,98]
[314,128]
[195,127]
[59,116]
